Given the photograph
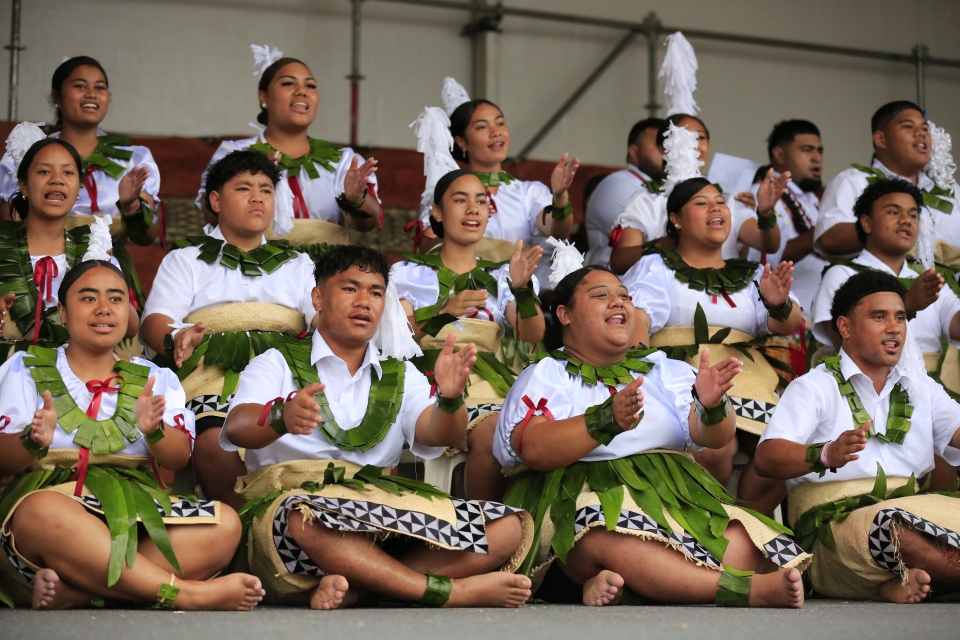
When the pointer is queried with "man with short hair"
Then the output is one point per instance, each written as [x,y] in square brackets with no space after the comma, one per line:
[850,438]
[901,149]
[644,167]
[795,146]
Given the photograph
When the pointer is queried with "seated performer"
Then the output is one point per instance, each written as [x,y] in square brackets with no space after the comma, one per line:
[333,187]
[119,178]
[451,287]
[326,522]
[598,434]
[224,296]
[38,250]
[889,225]
[902,148]
[794,147]
[851,437]
[693,296]
[82,428]
[608,201]
[520,209]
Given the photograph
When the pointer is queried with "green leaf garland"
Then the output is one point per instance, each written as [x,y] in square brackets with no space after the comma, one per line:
[934,197]
[493,179]
[321,153]
[107,149]
[898,420]
[265,259]
[736,275]
[610,376]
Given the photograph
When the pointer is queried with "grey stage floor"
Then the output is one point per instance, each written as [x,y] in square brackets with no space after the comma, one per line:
[820,619]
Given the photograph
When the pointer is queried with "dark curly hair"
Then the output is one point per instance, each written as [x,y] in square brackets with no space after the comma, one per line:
[342,257]
[267,77]
[562,295]
[858,287]
[460,120]
[233,164]
[864,204]
[18,203]
[786,131]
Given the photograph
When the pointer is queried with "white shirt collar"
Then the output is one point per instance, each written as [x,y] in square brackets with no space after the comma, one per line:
[868,259]
[849,369]
[216,233]
[321,350]
[925,183]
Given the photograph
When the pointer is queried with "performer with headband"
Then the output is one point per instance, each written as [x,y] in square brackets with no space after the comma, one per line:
[86,432]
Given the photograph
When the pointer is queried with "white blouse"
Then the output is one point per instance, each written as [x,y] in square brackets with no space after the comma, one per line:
[108,188]
[671,303]
[666,407]
[812,410]
[268,377]
[19,400]
[320,194]
[418,285]
[185,284]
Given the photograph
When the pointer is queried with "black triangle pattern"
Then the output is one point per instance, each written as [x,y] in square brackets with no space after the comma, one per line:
[782,550]
[882,546]
[202,405]
[753,409]
[178,508]
[478,410]
[22,567]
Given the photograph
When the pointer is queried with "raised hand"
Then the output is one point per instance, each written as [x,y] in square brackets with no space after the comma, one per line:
[357,178]
[924,290]
[713,382]
[452,370]
[149,409]
[465,302]
[562,176]
[130,188]
[302,414]
[524,265]
[770,191]
[186,341]
[5,303]
[845,448]
[775,284]
[627,404]
[44,422]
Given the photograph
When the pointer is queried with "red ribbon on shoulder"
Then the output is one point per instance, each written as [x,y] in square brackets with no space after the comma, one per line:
[43,275]
[299,202]
[90,183]
[532,409]
[491,202]
[418,227]
[615,234]
[4,422]
[112,384]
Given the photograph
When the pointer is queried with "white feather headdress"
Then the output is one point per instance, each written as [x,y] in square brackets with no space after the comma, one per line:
[263,57]
[682,156]
[23,136]
[913,365]
[100,243]
[453,95]
[282,208]
[394,336]
[564,261]
[435,143]
[941,167]
[679,76]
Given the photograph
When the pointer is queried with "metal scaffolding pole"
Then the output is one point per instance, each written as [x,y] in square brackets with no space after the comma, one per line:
[14,48]
[921,55]
[652,32]
[355,77]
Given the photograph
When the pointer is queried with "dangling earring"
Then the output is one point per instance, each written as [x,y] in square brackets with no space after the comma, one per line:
[263,106]
[466,158]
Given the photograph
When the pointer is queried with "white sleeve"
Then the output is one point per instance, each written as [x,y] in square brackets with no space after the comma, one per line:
[265,378]
[416,400]
[8,178]
[305,268]
[417,284]
[545,380]
[18,395]
[225,147]
[168,385]
[797,415]
[676,378]
[948,306]
[174,287]
[641,213]
[837,204]
[648,282]
[143,158]
[823,301]
[945,412]
[536,196]
[504,295]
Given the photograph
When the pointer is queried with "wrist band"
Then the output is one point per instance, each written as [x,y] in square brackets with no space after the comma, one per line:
[272,414]
[767,222]
[437,592]
[31,445]
[733,590]
[816,458]
[781,313]
[823,453]
[558,213]
[527,300]
[449,405]
[155,436]
[137,224]
[351,209]
[600,422]
[167,595]
[715,415]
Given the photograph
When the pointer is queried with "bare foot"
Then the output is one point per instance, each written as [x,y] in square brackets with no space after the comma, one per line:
[234,592]
[49,592]
[602,589]
[916,589]
[497,589]
[779,589]
[332,593]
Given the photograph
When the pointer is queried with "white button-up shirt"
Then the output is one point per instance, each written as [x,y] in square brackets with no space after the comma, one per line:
[268,377]
[812,410]
[608,201]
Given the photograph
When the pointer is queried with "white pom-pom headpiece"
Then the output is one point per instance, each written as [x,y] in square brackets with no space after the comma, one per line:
[282,209]
[941,167]
[564,261]
[263,57]
[23,136]
[913,365]
[679,76]
[682,156]
[453,95]
[394,336]
[435,143]
[100,242]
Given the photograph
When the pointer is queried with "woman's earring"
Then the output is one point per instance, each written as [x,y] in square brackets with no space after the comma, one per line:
[263,106]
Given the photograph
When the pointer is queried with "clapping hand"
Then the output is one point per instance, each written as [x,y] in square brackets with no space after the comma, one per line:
[452,370]
[775,284]
[149,409]
[524,265]
[130,188]
[627,404]
[357,178]
[770,191]
[713,382]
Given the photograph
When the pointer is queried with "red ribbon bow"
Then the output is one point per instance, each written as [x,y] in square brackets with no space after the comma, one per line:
[43,275]
[180,424]
[432,377]
[615,234]
[532,409]
[491,202]
[418,228]
[477,311]
[299,202]
[265,412]
[4,422]
[97,388]
[91,185]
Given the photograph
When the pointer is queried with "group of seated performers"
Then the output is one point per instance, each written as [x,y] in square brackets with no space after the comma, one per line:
[744,399]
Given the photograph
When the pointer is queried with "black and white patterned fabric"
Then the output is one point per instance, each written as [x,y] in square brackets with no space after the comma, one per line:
[341,514]
[781,550]
[22,568]
[478,410]
[884,549]
[753,409]
[202,405]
